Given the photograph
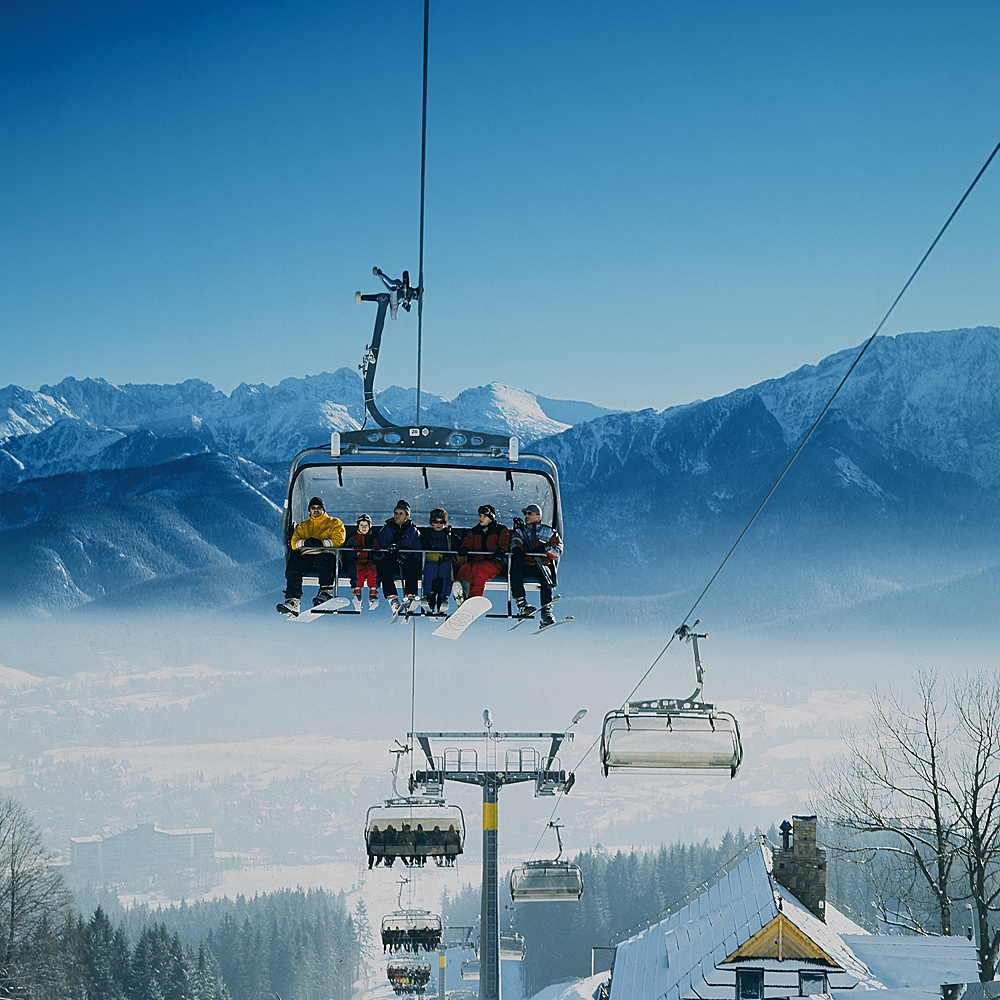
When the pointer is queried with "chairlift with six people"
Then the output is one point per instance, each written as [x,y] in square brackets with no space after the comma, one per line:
[413,826]
[369,470]
[408,975]
[673,734]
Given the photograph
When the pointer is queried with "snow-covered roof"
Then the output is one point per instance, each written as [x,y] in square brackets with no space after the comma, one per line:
[576,989]
[685,955]
[909,961]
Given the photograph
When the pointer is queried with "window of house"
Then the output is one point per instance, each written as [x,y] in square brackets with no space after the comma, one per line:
[749,984]
[812,983]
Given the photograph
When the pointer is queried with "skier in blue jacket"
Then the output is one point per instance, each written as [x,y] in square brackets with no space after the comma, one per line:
[399,532]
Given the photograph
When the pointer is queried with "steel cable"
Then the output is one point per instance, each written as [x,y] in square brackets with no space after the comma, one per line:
[791,461]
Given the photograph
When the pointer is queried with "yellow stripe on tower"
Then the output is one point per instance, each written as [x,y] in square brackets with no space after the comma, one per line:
[489,815]
[441,959]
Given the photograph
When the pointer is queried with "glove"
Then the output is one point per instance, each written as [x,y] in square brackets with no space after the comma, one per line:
[392,550]
[313,543]
[462,550]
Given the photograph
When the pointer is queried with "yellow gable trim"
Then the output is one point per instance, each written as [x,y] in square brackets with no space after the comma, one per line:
[782,940]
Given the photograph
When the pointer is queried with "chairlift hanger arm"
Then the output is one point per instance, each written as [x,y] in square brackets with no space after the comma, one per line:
[400,293]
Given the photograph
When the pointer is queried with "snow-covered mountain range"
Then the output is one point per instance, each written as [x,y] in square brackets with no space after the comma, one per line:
[119,494]
[92,424]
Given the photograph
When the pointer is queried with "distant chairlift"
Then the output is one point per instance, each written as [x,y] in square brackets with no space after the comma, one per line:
[547,881]
[512,947]
[414,826]
[410,930]
[408,975]
[671,734]
[470,969]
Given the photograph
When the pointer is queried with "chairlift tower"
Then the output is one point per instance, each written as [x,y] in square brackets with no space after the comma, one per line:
[520,764]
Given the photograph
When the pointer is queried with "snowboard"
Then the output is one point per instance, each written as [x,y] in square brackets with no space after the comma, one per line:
[314,614]
[457,622]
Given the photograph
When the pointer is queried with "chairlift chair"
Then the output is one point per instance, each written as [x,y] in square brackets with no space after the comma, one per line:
[415,826]
[673,734]
[408,975]
[470,969]
[368,470]
[512,947]
[552,881]
[411,930]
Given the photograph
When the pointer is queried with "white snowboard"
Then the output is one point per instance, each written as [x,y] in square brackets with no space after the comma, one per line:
[314,614]
[455,624]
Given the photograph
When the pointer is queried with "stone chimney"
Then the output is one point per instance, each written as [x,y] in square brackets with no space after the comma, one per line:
[801,868]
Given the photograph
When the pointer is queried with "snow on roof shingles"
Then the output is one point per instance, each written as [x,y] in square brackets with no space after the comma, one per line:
[669,957]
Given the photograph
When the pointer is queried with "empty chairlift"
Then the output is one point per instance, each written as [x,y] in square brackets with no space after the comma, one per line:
[673,734]
[512,947]
[546,881]
[470,969]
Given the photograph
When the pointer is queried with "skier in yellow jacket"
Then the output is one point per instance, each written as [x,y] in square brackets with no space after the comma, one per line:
[318,531]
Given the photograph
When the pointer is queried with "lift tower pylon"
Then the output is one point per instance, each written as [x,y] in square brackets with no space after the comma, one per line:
[519,765]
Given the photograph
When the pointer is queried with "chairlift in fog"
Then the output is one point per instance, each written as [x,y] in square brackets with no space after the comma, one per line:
[470,969]
[673,734]
[413,826]
[410,930]
[367,471]
[512,947]
[547,881]
[408,975]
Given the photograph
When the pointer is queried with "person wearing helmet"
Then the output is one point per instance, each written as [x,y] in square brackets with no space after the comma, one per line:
[363,569]
[535,549]
[486,546]
[320,532]
[399,533]
[440,543]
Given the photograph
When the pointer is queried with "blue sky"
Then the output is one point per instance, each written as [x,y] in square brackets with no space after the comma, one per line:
[636,204]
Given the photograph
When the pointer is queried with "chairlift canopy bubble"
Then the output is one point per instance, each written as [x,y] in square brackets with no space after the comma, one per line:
[546,882]
[470,969]
[372,484]
[671,735]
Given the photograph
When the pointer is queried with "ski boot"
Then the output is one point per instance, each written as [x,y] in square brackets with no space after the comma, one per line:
[547,617]
[442,605]
[458,592]
[289,607]
[524,609]
[372,599]
[394,605]
[323,595]
[425,606]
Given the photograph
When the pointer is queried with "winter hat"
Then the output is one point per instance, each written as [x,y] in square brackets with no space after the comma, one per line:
[401,505]
[364,517]
[532,508]
[317,502]
[438,514]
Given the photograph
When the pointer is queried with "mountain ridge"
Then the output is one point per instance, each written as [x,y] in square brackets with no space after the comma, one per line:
[897,488]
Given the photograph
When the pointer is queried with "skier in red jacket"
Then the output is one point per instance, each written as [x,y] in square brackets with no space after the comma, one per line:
[486,546]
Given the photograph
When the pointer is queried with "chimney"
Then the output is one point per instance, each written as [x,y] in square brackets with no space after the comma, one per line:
[801,869]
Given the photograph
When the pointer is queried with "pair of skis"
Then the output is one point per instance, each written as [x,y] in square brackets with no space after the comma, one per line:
[542,628]
[316,612]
